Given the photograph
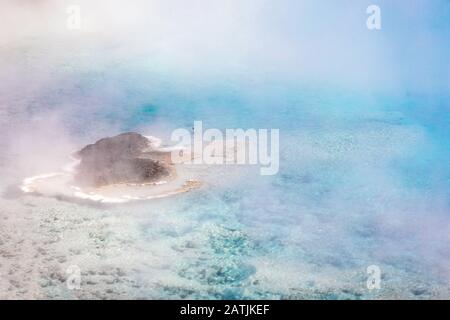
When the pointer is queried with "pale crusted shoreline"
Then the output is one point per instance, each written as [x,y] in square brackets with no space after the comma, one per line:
[181,179]
[60,185]
[63,185]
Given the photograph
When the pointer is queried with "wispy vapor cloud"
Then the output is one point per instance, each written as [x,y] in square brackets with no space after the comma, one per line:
[308,40]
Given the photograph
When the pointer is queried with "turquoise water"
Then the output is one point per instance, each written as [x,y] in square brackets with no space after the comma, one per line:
[364,180]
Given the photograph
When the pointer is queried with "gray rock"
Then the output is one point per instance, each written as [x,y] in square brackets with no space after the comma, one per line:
[125,158]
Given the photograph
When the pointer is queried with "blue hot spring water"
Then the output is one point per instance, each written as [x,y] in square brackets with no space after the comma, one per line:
[363,180]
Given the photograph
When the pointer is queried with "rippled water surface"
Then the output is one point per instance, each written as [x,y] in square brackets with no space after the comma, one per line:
[364,180]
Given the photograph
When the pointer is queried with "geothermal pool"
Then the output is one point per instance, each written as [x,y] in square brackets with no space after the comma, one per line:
[363,181]
[353,191]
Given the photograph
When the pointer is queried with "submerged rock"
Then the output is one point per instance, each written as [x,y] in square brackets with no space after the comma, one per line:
[126,158]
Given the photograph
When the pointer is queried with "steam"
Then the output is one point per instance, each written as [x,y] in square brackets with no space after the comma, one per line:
[306,40]
[363,115]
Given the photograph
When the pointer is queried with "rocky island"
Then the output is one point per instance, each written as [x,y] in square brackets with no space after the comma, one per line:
[118,169]
[126,158]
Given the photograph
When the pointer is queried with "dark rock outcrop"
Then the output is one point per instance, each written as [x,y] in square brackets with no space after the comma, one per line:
[125,158]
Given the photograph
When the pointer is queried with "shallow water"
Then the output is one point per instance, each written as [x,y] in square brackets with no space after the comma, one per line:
[364,180]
